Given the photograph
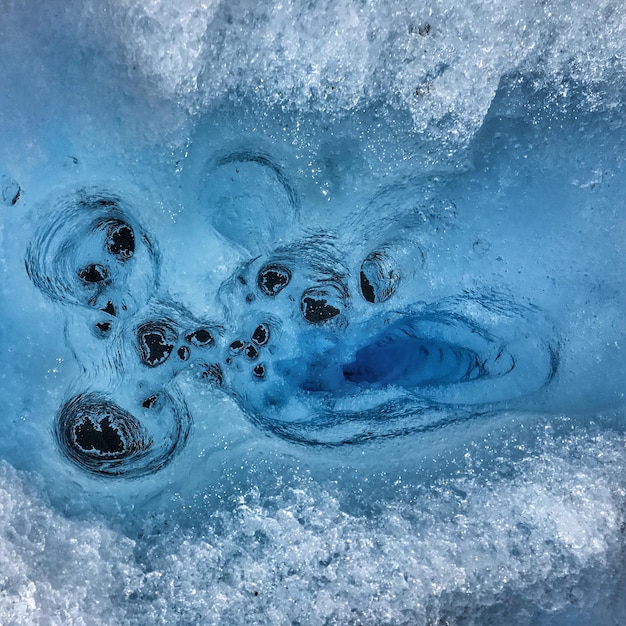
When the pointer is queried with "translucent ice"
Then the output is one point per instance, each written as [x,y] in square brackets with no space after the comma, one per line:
[312,312]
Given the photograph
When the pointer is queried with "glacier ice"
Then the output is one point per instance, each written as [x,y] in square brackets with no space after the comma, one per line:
[298,340]
[318,324]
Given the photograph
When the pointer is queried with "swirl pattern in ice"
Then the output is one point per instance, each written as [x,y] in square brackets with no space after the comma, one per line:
[105,439]
[317,345]
[333,369]
[92,253]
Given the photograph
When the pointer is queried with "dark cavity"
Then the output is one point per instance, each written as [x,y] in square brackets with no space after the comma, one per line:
[272,279]
[120,241]
[93,273]
[103,438]
[155,344]
[261,335]
[200,337]
[318,310]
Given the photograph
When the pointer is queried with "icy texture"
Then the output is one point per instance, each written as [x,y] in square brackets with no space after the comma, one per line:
[312,313]
[442,62]
[473,548]
[54,569]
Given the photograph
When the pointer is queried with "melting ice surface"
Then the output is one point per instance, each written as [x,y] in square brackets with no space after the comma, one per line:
[312,313]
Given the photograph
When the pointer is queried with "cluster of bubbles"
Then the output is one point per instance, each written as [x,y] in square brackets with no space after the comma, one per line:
[311,346]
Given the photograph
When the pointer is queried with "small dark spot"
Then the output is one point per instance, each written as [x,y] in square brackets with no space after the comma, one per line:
[93,273]
[10,191]
[103,327]
[105,203]
[213,373]
[424,29]
[261,335]
[251,352]
[379,278]
[242,280]
[250,298]
[200,337]
[256,593]
[421,90]
[148,403]
[120,240]
[109,308]
[272,279]
[16,197]
[366,289]
[259,371]
[183,353]
[236,346]
[318,310]
[228,360]
[101,437]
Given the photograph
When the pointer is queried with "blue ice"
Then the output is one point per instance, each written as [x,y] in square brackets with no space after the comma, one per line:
[312,324]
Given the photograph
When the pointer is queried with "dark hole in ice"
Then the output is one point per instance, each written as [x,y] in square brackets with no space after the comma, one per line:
[213,373]
[366,289]
[236,346]
[259,371]
[103,437]
[200,337]
[251,352]
[148,403]
[379,278]
[157,350]
[120,240]
[261,335]
[183,353]
[103,327]
[272,279]
[155,343]
[93,273]
[109,308]
[317,310]
[16,197]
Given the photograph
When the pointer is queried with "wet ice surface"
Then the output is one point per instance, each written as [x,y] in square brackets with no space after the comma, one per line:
[346,349]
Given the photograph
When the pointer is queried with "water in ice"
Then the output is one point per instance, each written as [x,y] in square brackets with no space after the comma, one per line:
[315,325]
